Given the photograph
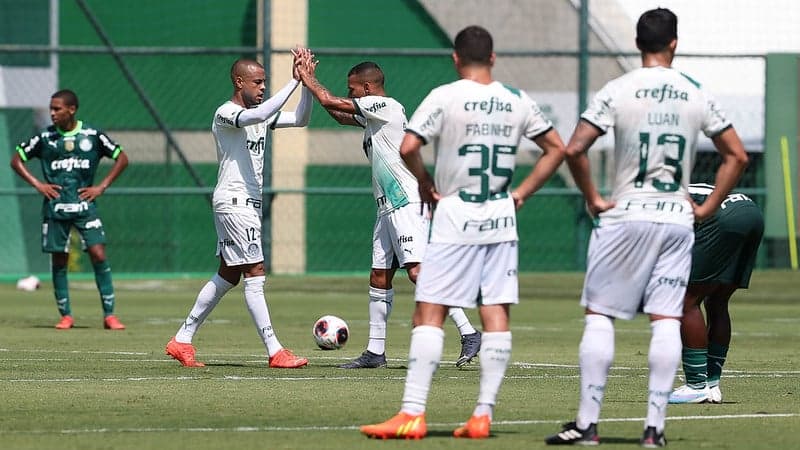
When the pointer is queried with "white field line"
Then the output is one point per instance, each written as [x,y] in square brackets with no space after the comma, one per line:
[221,358]
[355,427]
[259,359]
[400,377]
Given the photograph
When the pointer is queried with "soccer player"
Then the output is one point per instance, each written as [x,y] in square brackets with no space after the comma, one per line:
[240,131]
[401,230]
[70,151]
[640,250]
[724,254]
[476,124]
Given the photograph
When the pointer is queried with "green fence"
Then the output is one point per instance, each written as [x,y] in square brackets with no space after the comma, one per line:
[153,83]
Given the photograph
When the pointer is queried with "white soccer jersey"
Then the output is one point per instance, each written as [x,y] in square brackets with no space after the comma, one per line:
[657,114]
[240,152]
[384,122]
[476,129]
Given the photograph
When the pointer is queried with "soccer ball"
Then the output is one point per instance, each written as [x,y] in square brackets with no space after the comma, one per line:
[330,332]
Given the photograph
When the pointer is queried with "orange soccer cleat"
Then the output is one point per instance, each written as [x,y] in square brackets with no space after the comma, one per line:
[477,427]
[112,323]
[65,323]
[285,359]
[184,353]
[401,426]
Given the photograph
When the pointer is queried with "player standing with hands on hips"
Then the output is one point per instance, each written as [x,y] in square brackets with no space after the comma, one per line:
[640,249]
[70,151]
[477,124]
[240,128]
[401,229]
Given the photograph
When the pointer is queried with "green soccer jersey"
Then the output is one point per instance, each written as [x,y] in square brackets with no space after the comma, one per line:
[70,160]
[700,192]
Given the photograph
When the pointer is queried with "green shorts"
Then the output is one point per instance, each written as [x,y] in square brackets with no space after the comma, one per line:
[55,233]
[725,246]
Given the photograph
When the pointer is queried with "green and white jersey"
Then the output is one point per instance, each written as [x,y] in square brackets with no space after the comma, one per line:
[70,160]
[657,114]
[384,122]
[476,130]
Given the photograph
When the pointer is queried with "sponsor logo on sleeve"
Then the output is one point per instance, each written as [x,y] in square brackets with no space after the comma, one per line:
[375,107]
[225,120]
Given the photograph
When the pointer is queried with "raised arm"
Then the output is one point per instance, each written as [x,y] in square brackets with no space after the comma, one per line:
[340,108]
[269,108]
[298,117]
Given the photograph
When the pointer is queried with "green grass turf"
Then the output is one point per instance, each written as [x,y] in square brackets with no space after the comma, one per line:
[88,388]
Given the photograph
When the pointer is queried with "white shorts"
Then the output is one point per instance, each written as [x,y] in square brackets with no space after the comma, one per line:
[239,236]
[399,237]
[638,266]
[469,275]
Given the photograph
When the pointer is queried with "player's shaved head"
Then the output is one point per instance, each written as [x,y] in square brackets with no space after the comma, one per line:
[243,67]
[368,71]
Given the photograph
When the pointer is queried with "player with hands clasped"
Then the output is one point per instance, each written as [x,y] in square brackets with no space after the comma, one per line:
[240,128]
[401,229]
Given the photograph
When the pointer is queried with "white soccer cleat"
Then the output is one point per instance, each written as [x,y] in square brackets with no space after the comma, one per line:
[715,395]
[686,394]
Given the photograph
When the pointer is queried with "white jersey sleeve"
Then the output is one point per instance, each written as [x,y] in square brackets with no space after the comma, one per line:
[384,122]
[476,129]
[657,114]
[296,118]
[267,109]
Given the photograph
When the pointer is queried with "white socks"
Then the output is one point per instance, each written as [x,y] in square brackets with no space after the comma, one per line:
[257,305]
[380,307]
[207,299]
[596,353]
[461,320]
[664,358]
[495,355]
[424,355]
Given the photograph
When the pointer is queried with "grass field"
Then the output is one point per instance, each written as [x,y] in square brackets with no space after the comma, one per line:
[88,388]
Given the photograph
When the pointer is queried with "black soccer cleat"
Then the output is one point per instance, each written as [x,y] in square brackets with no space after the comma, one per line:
[572,435]
[470,346]
[653,439]
[367,360]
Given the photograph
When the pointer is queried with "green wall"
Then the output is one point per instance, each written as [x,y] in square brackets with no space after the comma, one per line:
[106,95]
[782,114]
[15,258]
[384,24]
[25,23]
